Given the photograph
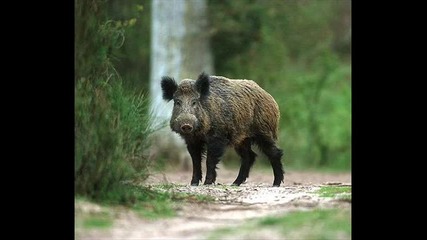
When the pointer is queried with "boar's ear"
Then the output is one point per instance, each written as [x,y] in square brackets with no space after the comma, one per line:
[202,85]
[169,86]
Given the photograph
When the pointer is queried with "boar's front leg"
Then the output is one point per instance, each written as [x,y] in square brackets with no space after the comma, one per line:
[216,148]
[195,150]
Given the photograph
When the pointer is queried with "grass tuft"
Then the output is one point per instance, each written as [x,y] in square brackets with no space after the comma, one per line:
[340,192]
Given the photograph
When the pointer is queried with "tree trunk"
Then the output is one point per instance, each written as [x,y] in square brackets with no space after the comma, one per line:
[180,49]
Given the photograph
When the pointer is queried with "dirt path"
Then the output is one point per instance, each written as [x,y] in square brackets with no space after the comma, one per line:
[233,206]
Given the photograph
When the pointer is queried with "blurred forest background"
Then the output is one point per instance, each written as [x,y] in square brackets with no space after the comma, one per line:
[298,50]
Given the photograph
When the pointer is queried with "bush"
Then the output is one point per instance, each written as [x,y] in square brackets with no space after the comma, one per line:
[112,130]
[112,125]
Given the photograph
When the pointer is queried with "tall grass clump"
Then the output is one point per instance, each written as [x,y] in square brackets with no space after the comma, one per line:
[111,138]
[112,125]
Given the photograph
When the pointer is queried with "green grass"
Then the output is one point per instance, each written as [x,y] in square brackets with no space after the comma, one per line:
[152,203]
[161,201]
[99,219]
[313,224]
[101,222]
[183,196]
[340,192]
[190,197]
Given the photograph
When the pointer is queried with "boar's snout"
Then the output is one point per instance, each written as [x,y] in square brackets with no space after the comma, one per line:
[186,128]
[185,123]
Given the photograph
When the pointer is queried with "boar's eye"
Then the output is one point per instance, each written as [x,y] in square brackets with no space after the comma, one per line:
[193,102]
[177,102]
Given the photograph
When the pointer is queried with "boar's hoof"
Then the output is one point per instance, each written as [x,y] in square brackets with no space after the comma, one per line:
[208,182]
[276,183]
[236,184]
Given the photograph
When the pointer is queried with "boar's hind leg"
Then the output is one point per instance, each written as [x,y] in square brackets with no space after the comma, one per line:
[215,149]
[195,151]
[247,160]
[274,154]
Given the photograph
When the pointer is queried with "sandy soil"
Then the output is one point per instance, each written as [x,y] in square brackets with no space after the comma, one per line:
[232,206]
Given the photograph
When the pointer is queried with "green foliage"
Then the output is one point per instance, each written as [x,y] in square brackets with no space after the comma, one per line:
[112,125]
[312,224]
[132,60]
[320,134]
[112,129]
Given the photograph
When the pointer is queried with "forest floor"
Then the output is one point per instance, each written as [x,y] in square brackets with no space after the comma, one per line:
[235,212]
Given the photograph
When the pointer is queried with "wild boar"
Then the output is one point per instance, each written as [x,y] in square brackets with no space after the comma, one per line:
[214,112]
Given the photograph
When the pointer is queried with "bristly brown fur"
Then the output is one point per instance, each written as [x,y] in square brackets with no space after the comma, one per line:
[236,113]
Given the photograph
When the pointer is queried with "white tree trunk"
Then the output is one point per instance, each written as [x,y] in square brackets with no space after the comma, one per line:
[179,49]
